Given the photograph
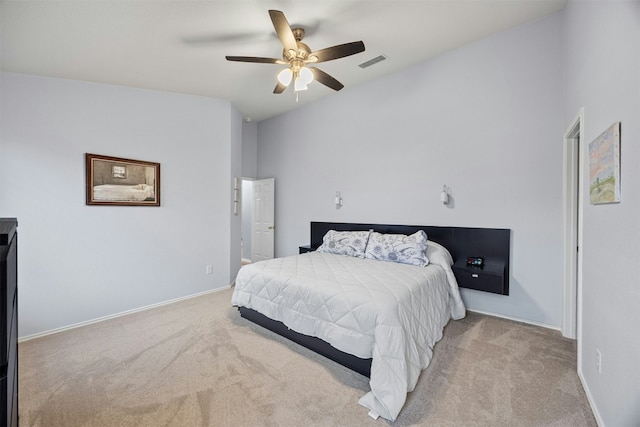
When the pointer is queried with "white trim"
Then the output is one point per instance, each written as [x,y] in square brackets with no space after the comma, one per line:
[573,162]
[592,403]
[113,316]
[572,316]
[516,319]
[582,191]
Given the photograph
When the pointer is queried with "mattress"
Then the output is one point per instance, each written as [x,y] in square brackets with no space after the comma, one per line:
[392,313]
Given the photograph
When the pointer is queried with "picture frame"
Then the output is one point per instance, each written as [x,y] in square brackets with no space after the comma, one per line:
[604,167]
[115,181]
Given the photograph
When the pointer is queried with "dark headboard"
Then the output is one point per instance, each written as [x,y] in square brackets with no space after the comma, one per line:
[493,244]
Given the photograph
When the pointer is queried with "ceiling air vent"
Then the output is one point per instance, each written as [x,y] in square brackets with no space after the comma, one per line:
[375,60]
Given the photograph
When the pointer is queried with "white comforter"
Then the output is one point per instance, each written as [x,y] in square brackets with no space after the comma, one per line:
[392,313]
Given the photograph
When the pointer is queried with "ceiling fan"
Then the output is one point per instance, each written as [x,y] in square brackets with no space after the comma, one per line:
[298,55]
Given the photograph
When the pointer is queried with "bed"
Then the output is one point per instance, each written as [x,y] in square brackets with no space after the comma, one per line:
[381,316]
[111,193]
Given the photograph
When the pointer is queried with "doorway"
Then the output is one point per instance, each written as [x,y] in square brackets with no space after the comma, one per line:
[573,191]
[246,215]
[257,220]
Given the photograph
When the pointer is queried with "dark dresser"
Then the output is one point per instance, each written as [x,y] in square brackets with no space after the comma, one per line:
[8,322]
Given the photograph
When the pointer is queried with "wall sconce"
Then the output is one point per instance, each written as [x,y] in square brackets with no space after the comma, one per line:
[444,196]
[338,200]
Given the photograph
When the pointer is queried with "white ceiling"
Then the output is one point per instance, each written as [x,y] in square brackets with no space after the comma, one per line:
[180,45]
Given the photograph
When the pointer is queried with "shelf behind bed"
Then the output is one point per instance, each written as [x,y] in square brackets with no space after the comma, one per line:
[492,244]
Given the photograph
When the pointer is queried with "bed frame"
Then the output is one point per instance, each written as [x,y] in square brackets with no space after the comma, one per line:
[361,366]
[491,243]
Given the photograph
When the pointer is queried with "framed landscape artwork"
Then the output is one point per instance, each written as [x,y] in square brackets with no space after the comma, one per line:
[121,182]
[604,167]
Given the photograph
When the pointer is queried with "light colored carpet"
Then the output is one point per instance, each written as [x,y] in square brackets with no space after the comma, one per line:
[197,363]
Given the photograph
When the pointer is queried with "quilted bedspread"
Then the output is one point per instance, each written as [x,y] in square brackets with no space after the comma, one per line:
[393,313]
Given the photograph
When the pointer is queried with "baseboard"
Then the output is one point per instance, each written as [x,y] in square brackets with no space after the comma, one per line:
[516,319]
[594,408]
[113,316]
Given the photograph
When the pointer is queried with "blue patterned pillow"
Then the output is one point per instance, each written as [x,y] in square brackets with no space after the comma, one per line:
[351,243]
[398,248]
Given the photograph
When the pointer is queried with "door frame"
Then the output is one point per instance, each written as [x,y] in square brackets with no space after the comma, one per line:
[573,189]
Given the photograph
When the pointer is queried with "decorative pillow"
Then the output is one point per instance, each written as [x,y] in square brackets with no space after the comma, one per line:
[398,248]
[351,243]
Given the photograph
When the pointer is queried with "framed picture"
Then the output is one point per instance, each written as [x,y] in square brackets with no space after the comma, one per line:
[122,182]
[604,167]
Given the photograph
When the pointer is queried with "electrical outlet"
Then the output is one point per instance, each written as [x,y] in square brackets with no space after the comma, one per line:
[209,269]
[598,361]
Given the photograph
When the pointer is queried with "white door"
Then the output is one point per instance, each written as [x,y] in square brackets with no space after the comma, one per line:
[262,229]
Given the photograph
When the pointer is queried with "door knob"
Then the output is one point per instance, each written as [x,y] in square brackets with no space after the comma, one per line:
[271,227]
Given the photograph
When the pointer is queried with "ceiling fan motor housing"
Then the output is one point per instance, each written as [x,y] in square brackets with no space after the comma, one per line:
[298,33]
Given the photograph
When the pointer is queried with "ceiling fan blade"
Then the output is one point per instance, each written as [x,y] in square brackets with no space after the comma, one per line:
[255,59]
[338,51]
[324,78]
[283,29]
[279,88]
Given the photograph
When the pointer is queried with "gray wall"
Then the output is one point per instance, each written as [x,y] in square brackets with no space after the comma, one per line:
[603,76]
[80,262]
[250,171]
[1,171]
[486,120]
[235,176]
[249,149]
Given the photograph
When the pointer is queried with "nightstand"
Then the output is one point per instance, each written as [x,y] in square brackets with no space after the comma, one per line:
[306,248]
[489,278]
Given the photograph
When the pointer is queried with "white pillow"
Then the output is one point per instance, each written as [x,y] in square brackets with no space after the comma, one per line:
[438,254]
[398,248]
[351,243]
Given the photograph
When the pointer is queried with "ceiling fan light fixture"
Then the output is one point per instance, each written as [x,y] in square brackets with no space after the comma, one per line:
[285,76]
[306,75]
[299,84]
